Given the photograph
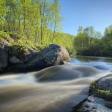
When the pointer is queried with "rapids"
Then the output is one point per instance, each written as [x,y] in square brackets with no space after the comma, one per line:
[54,89]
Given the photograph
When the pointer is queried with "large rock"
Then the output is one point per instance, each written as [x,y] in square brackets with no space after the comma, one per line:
[3,55]
[14,60]
[102,87]
[3,59]
[65,72]
[21,59]
[101,96]
[105,82]
[52,55]
[55,54]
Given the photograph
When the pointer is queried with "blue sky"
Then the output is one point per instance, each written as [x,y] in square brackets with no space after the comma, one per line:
[75,13]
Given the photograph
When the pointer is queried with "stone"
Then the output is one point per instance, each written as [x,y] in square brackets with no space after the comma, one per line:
[50,56]
[3,58]
[14,60]
[64,72]
[105,82]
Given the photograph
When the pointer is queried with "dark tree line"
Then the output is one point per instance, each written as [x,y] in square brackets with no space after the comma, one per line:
[88,42]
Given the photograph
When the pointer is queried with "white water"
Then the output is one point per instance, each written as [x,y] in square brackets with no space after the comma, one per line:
[26,93]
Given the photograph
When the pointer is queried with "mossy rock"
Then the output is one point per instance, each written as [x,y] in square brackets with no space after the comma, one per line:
[18,51]
[102,87]
[5,39]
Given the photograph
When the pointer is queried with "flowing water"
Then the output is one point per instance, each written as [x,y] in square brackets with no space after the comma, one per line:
[54,89]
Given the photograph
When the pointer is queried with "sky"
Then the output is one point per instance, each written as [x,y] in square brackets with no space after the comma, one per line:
[75,13]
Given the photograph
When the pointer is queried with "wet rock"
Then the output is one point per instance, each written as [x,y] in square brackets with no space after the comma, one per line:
[101,96]
[64,72]
[89,106]
[96,105]
[20,59]
[52,55]
[3,54]
[91,99]
[102,87]
[105,82]
[3,59]
[14,60]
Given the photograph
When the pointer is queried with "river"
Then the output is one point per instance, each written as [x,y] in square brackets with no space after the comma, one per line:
[52,90]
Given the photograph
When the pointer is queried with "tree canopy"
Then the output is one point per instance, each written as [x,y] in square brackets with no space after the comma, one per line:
[36,20]
[92,43]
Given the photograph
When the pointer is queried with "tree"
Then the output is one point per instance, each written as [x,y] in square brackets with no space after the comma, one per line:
[86,42]
[55,17]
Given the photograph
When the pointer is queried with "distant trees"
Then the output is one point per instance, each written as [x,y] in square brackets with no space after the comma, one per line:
[91,43]
[107,41]
[85,38]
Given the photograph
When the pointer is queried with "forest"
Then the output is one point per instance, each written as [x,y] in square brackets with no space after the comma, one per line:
[37,23]
[33,23]
[89,42]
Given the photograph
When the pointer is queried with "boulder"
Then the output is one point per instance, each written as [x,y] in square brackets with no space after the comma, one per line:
[105,82]
[3,54]
[3,59]
[14,60]
[52,55]
[102,87]
[64,72]
[100,97]
[22,59]
[55,54]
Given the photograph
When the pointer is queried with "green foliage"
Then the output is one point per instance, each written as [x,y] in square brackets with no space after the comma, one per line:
[3,34]
[32,23]
[88,42]
[5,38]
[65,40]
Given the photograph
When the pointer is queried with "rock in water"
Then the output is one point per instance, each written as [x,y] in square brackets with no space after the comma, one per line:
[102,88]
[53,55]
[64,72]
[105,82]
[16,58]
